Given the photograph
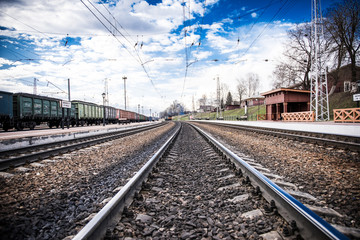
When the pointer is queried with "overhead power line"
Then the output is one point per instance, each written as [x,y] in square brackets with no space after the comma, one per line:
[138,58]
[24,23]
[267,25]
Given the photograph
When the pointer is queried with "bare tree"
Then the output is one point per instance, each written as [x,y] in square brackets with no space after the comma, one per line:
[253,82]
[296,69]
[175,108]
[203,101]
[241,89]
[285,75]
[343,25]
[224,89]
[337,52]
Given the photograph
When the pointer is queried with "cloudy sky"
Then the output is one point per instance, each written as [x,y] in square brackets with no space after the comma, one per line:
[168,50]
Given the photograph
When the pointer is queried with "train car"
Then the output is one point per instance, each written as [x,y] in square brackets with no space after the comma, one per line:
[132,116]
[122,117]
[88,113]
[22,110]
[72,115]
[128,115]
[142,118]
[30,110]
[6,110]
[79,112]
[110,114]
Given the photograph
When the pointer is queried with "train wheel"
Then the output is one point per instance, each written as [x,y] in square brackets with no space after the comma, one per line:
[32,125]
[19,126]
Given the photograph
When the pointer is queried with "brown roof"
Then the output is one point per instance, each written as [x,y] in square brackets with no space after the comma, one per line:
[284,90]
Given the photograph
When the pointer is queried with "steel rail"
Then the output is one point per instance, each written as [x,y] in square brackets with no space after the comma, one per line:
[21,150]
[74,145]
[111,212]
[297,135]
[310,225]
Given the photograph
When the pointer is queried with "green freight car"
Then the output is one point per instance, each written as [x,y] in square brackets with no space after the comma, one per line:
[31,110]
[88,113]
[6,110]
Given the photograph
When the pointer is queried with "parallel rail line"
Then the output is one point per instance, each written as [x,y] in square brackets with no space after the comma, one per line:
[17,157]
[308,223]
[339,141]
[111,212]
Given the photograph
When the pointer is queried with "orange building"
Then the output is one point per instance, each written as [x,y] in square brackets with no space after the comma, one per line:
[284,100]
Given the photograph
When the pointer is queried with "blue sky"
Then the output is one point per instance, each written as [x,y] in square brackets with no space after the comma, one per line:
[168,50]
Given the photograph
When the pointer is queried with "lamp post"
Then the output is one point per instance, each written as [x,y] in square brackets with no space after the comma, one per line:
[104,95]
[257,116]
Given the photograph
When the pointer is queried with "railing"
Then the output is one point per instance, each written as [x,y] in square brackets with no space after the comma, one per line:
[347,115]
[261,117]
[298,116]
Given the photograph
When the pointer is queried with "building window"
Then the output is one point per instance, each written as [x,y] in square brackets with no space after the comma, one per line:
[347,86]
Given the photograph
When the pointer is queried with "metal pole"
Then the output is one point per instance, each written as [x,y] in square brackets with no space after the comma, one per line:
[35,88]
[69,109]
[139,112]
[125,90]
[103,95]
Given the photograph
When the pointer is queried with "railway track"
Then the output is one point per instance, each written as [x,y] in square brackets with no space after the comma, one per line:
[20,156]
[196,188]
[338,141]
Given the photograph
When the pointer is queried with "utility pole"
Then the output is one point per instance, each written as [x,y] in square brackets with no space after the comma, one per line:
[35,87]
[193,104]
[125,90]
[319,98]
[69,109]
[218,97]
[106,91]
[139,112]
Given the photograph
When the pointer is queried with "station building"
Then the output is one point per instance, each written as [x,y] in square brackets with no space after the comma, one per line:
[285,100]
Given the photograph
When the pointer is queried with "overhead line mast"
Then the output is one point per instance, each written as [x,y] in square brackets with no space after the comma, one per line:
[319,98]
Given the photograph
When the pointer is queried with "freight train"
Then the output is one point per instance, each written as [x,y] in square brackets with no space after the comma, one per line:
[23,110]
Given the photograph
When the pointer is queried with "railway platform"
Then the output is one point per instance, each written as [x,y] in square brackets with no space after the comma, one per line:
[346,129]
[16,139]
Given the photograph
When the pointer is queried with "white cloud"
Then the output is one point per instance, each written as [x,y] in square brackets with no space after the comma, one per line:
[99,55]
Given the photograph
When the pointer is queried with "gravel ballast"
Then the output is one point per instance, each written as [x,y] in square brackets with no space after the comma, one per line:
[55,198]
[331,175]
[193,193]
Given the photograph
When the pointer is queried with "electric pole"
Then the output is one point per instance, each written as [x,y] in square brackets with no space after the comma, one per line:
[35,87]
[125,90]
[106,91]
[218,97]
[69,109]
[193,104]
[319,99]
[139,112]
